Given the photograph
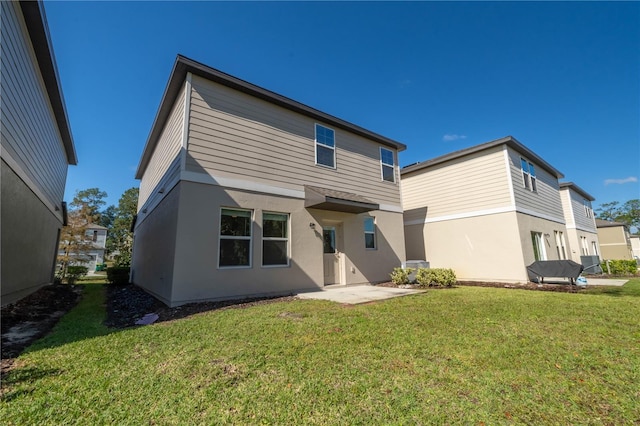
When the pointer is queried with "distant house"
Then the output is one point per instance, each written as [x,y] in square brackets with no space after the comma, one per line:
[487,211]
[37,148]
[582,234]
[614,240]
[635,246]
[97,235]
[245,192]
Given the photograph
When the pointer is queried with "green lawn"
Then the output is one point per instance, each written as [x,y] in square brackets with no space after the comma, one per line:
[466,355]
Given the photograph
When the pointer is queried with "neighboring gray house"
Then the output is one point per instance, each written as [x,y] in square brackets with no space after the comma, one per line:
[486,211]
[582,234]
[37,148]
[245,192]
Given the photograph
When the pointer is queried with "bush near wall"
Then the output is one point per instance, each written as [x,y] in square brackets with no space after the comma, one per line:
[429,277]
[620,267]
[75,272]
[400,276]
[118,275]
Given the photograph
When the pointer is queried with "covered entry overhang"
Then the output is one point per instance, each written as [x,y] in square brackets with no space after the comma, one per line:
[339,201]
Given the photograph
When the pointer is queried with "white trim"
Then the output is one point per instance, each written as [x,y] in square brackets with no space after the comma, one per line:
[185,122]
[540,215]
[580,228]
[17,169]
[390,208]
[614,244]
[240,184]
[152,202]
[512,194]
[486,212]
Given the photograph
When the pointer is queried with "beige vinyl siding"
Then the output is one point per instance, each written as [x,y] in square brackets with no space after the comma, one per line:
[235,135]
[164,167]
[29,130]
[473,183]
[546,200]
[567,207]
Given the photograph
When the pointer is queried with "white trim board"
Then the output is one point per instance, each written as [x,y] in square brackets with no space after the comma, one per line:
[486,212]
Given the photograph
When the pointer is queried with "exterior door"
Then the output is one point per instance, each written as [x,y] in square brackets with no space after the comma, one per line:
[331,256]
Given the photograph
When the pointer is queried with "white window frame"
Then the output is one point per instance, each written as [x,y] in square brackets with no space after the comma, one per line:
[232,237]
[584,245]
[587,208]
[374,233]
[529,179]
[560,245]
[287,239]
[318,143]
[539,241]
[392,165]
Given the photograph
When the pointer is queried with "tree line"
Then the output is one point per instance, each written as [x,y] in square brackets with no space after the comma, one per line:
[627,213]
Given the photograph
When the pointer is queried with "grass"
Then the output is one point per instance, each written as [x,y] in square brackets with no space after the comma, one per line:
[467,355]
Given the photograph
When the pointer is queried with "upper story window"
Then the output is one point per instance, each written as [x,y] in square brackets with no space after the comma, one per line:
[369,233]
[235,238]
[587,208]
[325,146]
[528,175]
[387,165]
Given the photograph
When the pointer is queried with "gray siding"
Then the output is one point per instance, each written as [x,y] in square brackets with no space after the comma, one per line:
[472,183]
[164,167]
[30,135]
[235,135]
[545,202]
[574,202]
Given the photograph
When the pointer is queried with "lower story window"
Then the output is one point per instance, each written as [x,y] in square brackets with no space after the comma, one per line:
[538,246]
[369,233]
[235,238]
[275,239]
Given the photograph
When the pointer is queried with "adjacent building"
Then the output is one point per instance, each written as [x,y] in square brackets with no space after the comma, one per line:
[582,234]
[487,211]
[245,192]
[615,242]
[37,148]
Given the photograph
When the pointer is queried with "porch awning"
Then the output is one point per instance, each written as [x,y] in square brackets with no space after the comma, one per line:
[339,201]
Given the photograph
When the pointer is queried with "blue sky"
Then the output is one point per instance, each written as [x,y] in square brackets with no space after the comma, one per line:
[562,78]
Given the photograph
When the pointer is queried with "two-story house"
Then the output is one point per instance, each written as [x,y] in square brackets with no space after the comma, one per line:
[487,211]
[245,192]
[37,148]
[582,234]
[97,236]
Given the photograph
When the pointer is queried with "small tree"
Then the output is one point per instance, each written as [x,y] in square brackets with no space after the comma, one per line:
[74,245]
[120,237]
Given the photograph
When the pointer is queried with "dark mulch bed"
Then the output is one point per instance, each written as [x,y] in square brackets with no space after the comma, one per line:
[30,318]
[129,303]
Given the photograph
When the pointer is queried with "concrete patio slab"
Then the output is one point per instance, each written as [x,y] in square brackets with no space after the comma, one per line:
[357,294]
[606,281]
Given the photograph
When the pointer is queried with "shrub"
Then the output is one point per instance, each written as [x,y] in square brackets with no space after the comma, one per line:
[620,267]
[75,272]
[428,277]
[400,276]
[118,275]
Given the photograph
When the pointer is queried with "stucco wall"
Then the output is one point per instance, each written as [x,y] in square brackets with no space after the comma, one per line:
[29,235]
[481,248]
[154,247]
[196,276]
